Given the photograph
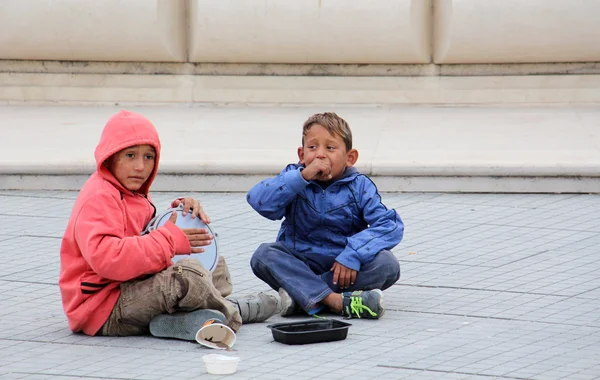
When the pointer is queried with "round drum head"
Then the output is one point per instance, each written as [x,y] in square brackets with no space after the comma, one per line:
[210,257]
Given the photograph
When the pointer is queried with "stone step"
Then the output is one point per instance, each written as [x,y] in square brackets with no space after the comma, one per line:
[110,89]
[208,147]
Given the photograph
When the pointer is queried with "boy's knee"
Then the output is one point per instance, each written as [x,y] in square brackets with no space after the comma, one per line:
[386,257]
[191,269]
[394,266]
[263,254]
[222,278]
[190,264]
[389,264]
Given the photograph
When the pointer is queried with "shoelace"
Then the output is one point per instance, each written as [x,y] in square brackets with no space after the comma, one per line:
[356,306]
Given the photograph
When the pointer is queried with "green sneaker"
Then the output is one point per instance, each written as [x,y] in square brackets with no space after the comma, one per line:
[363,304]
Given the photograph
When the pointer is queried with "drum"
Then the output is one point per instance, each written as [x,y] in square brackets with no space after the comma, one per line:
[210,257]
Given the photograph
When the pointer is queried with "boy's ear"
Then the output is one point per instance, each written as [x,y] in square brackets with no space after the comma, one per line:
[351,157]
[301,155]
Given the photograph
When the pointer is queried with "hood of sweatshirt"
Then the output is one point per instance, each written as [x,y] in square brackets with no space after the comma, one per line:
[123,130]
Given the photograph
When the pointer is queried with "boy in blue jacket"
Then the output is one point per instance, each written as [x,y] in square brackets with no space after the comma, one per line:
[332,250]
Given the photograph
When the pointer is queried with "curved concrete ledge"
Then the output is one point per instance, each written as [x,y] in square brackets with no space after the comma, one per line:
[140,89]
[487,169]
[242,183]
[475,31]
[407,148]
[284,69]
[331,31]
[106,30]
[269,168]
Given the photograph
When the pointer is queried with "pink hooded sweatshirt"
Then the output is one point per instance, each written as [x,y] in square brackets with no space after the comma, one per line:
[102,246]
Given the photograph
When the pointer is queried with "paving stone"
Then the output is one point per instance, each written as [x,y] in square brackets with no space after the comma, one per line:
[493,286]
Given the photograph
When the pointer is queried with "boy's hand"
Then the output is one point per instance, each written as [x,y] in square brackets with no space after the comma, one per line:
[318,169]
[194,205]
[343,275]
[196,236]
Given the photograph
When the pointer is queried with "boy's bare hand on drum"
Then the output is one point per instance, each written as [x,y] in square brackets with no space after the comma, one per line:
[193,205]
[343,275]
[197,237]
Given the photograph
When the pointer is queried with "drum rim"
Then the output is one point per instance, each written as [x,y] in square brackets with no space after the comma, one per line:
[157,220]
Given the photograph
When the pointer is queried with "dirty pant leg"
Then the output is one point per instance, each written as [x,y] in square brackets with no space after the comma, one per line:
[185,286]
[222,278]
[200,292]
[280,266]
[142,300]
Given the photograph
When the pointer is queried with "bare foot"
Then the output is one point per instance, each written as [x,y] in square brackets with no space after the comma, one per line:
[333,302]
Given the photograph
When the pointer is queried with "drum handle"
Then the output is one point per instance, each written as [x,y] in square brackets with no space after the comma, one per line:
[150,226]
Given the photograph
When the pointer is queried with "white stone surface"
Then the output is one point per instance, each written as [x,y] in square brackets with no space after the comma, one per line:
[242,183]
[316,31]
[106,30]
[301,31]
[505,31]
[139,89]
[229,148]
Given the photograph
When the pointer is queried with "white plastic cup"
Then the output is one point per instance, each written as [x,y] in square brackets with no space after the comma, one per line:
[220,364]
[216,335]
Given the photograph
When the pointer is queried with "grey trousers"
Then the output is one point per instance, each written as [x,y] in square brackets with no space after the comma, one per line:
[184,286]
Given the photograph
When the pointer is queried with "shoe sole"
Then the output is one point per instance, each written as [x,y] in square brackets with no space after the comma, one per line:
[183,326]
[381,302]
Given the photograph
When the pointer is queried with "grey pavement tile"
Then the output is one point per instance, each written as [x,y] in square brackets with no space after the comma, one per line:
[507,200]
[39,206]
[493,286]
[580,376]
[29,225]
[32,259]
[6,237]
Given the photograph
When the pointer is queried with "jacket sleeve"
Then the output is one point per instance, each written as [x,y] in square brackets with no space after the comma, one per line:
[271,196]
[100,235]
[385,229]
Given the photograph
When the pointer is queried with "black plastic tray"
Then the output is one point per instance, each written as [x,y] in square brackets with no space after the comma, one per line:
[310,331]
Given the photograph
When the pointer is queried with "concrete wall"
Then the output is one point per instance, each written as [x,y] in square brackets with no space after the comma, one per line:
[104,30]
[310,31]
[301,31]
[509,31]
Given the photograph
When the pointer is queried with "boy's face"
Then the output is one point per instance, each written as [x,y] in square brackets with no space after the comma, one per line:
[132,166]
[319,144]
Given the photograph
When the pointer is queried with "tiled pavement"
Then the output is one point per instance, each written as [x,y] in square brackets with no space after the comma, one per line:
[493,286]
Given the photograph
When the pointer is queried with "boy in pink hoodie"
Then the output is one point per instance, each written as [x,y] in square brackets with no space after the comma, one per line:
[113,281]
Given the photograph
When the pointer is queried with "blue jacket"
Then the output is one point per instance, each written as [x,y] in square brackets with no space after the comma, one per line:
[346,219]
